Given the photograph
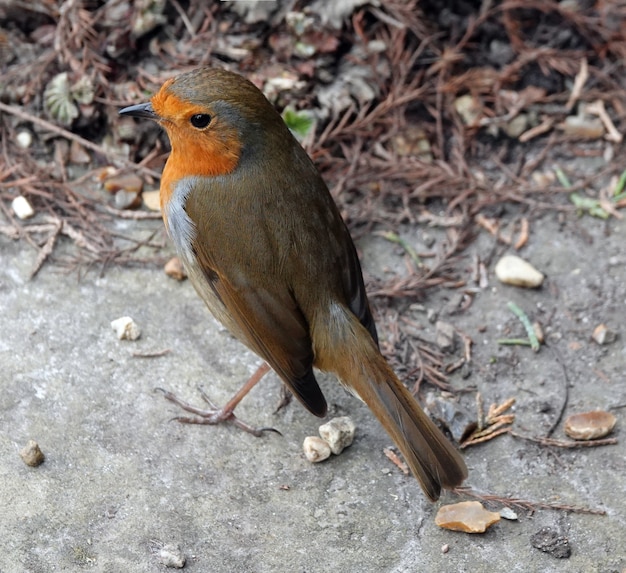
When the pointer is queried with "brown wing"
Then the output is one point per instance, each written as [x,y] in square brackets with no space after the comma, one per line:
[265,316]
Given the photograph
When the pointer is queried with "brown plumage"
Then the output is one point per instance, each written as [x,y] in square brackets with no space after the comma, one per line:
[266,249]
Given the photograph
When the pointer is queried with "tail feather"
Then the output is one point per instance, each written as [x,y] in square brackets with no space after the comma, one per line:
[431,457]
[360,366]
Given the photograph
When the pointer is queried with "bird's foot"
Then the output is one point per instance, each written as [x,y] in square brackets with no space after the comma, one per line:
[212,415]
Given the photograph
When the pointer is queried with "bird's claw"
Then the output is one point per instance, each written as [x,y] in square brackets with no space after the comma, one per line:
[211,416]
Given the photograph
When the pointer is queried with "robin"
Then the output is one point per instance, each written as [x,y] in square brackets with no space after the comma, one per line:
[266,249]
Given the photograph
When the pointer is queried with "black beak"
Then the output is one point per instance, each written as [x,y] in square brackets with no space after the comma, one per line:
[140,110]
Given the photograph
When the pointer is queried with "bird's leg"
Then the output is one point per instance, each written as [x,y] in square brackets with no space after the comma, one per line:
[214,414]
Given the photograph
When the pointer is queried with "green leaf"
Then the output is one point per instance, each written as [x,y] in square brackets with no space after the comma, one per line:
[591,206]
[299,122]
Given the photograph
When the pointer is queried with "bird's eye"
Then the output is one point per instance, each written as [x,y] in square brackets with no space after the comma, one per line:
[200,120]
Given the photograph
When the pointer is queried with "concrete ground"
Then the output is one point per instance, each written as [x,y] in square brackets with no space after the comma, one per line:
[120,480]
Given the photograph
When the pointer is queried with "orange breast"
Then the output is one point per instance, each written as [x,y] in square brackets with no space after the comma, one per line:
[203,161]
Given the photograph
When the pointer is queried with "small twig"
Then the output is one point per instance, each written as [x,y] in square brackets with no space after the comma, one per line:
[497,410]
[490,426]
[569,444]
[559,417]
[525,504]
[597,108]
[78,238]
[579,82]
[492,226]
[153,354]
[543,127]
[47,249]
[523,235]
[396,460]
[459,363]
[486,435]
[10,231]
[184,18]
[387,19]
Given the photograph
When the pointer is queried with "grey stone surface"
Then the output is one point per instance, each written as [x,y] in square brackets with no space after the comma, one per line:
[120,480]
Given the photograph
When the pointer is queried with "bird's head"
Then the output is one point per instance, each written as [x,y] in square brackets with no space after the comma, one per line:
[212,117]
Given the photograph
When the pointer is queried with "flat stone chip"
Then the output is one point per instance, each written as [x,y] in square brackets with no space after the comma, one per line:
[467,516]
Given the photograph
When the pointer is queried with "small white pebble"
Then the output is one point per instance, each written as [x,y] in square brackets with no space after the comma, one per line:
[172,556]
[376,46]
[338,433]
[508,513]
[513,270]
[24,139]
[126,328]
[152,200]
[22,208]
[315,449]
[602,335]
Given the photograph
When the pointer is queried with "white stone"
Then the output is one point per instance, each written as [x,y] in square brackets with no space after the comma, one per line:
[24,139]
[469,108]
[126,328]
[22,208]
[152,200]
[602,335]
[315,449]
[513,270]
[508,513]
[172,556]
[338,433]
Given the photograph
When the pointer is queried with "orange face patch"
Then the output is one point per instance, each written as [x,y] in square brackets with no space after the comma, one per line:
[208,152]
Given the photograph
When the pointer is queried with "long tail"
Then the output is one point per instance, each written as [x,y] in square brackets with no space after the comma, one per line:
[359,365]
